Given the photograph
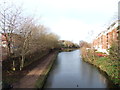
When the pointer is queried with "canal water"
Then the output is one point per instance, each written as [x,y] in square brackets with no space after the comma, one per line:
[70,71]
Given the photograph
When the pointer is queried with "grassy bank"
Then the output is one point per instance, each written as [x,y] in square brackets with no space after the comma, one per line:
[42,78]
[110,67]
[108,63]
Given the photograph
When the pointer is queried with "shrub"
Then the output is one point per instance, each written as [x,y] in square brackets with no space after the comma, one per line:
[114,52]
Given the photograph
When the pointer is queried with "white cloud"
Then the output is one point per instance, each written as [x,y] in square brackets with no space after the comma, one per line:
[65,5]
[75,30]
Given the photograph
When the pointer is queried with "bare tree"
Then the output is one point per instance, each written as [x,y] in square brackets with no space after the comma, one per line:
[26,29]
[33,36]
[9,21]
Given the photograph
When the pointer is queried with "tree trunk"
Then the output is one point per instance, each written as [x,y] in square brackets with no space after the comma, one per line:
[13,65]
[22,62]
[9,49]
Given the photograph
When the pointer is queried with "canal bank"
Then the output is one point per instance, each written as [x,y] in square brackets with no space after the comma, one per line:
[36,76]
[104,68]
[42,78]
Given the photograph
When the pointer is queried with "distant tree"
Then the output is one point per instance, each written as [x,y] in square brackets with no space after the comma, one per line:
[84,44]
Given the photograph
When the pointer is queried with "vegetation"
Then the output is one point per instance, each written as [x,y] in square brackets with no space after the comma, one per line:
[109,64]
[33,37]
[114,51]
[68,44]
[27,40]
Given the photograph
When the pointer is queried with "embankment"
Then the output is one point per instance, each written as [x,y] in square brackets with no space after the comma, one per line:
[36,76]
[111,70]
[42,78]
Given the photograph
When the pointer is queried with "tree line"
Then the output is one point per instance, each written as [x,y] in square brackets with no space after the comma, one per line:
[25,37]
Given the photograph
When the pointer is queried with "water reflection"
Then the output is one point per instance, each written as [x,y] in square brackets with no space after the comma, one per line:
[69,71]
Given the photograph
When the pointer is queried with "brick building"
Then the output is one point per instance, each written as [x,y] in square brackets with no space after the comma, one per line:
[3,41]
[104,40]
[16,44]
[3,47]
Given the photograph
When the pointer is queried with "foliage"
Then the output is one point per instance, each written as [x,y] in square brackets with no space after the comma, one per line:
[109,64]
[84,44]
[68,44]
[25,36]
[114,52]
[110,67]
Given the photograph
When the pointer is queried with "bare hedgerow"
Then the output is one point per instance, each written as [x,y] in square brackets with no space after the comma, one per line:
[88,53]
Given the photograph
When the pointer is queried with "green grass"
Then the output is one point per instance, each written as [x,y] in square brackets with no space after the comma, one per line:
[110,67]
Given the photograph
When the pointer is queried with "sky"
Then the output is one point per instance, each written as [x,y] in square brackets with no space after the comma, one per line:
[72,20]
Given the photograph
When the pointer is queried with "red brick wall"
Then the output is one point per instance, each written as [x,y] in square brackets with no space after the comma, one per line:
[115,34]
[106,39]
[104,44]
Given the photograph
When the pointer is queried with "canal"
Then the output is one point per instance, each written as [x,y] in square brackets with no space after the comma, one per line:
[70,71]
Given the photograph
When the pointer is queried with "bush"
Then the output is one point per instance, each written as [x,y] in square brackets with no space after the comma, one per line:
[114,52]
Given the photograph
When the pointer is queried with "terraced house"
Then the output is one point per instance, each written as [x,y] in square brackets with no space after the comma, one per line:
[105,39]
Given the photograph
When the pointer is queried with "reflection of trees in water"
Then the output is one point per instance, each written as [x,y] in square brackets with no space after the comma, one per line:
[56,65]
[51,74]
[84,74]
[103,79]
[92,71]
[88,73]
[106,80]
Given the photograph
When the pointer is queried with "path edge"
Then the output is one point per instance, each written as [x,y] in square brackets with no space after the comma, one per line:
[42,78]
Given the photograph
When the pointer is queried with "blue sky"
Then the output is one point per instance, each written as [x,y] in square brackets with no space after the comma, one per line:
[73,20]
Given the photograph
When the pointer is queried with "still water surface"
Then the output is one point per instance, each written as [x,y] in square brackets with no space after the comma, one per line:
[70,71]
